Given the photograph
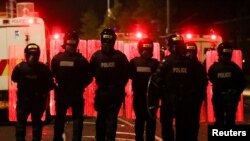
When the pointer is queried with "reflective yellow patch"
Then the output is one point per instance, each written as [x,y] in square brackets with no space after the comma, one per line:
[106,36]
[66,64]
[178,38]
[147,45]
[33,50]
[71,41]
[190,47]
[32,46]
[224,75]
[6,70]
[226,50]
[143,69]
[108,65]
[179,70]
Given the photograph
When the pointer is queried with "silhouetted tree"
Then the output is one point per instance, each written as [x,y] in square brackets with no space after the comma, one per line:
[90,24]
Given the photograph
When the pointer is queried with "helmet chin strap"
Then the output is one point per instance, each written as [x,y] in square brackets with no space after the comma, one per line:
[146,54]
[224,58]
[32,59]
[107,48]
[70,49]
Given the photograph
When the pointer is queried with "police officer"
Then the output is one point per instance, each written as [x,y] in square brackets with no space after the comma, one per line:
[72,74]
[178,78]
[228,83]
[110,69]
[140,70]
[197,97]
[34,82]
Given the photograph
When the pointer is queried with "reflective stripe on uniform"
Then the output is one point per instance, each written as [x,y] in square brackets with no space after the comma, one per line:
[3,68]
[143,69]
[66,64]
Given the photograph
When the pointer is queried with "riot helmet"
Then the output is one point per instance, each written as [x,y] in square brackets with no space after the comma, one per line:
[71,40]
[145,48]
[176,45]
[225,50]
[191,50]
[32,53]
[108,38]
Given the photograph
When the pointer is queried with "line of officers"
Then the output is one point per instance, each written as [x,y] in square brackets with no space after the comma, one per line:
[179,81]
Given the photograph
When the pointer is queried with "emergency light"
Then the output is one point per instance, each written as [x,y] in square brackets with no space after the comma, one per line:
[56,36]
[139,35]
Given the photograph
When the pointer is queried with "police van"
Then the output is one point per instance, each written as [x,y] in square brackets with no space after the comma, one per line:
[15,34]
[203,42]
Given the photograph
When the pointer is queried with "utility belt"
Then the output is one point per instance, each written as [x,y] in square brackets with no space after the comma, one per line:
[229,97]
[230,94]
[31,96]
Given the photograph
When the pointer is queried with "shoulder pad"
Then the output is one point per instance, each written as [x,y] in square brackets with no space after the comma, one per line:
[96,54]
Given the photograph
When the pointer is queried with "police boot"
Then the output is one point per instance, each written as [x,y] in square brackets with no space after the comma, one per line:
[110,135]
[20,132]
[58,131]
[37,133]
[58,138]
[20,139]
[77,130]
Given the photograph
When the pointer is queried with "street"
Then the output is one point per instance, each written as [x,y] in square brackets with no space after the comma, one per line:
[125,131]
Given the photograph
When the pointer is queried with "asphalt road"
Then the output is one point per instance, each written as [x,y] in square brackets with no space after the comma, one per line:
[125,131]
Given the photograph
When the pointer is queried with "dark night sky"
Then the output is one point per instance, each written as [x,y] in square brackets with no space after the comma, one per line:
[66,13]
[61,13]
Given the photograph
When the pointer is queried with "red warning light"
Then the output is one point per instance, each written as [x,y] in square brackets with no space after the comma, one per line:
[213,36]
[31,21]
[139,35]
[189,36]
[56,36]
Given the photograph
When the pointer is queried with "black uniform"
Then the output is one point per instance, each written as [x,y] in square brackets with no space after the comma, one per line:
[110,69]
[34,81]
[228,84]
[72,73]
[178,78]
[141,69]
[194,102]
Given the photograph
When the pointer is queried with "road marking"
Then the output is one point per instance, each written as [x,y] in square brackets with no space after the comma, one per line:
[89,123]
[124,139]
[132,125]
[125,133]
[93,123]
[117,139]
[157,138]
[126,122]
